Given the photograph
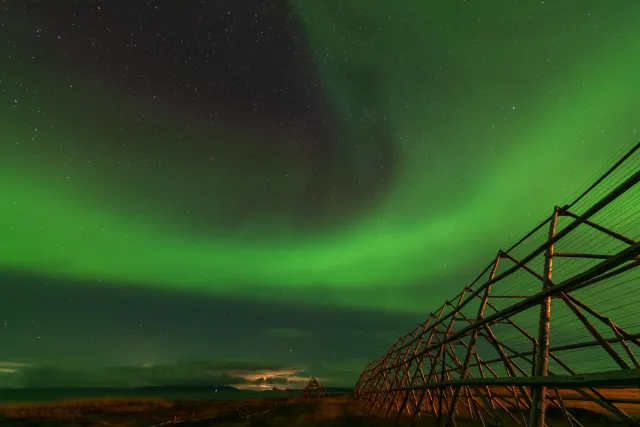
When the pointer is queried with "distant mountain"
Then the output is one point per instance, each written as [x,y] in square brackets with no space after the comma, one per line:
[329,390]
[199,388]
[339,389]
[159,389]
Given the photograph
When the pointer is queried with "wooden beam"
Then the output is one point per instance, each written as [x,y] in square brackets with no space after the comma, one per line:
[621,378]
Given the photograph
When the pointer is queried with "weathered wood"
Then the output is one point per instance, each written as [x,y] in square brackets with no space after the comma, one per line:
[424,370]
[577,255]
[625,378]
[472,345]
[541,367]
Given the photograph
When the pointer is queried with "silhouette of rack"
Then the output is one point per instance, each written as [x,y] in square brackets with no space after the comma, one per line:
[553,321]
[313,387]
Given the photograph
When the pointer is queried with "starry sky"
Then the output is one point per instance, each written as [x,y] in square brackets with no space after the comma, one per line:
[255,192]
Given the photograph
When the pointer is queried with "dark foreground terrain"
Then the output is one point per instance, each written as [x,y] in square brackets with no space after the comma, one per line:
[153,412]
[276,412]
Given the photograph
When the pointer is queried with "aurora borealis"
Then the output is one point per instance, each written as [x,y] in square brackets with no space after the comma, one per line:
[304,165]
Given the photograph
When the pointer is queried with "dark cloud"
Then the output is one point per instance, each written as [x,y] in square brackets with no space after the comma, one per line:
[237,364]
[242,373]
[272,381]
[186,373]
[8,367]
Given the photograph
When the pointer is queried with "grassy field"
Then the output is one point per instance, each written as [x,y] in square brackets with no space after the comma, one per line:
[276,412]
[149,412]
[127,411]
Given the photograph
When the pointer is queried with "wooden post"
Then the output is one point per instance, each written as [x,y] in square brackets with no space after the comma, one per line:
[442,389]
[448,420]
[538,401]
[418,332]
[393,383]
[442,349]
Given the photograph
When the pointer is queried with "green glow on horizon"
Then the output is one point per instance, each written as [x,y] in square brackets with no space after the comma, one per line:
[529,125]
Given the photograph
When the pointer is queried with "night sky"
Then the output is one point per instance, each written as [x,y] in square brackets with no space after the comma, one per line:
[253,192]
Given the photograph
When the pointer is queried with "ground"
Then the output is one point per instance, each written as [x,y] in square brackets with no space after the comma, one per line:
[333,411]
[153,412]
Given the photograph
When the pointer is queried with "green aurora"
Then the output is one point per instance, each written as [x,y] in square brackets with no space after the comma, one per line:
[539,106]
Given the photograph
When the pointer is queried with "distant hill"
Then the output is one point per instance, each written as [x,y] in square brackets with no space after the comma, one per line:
[159,389]
[339,389]
[329,390]
[180,392]
[220,388]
